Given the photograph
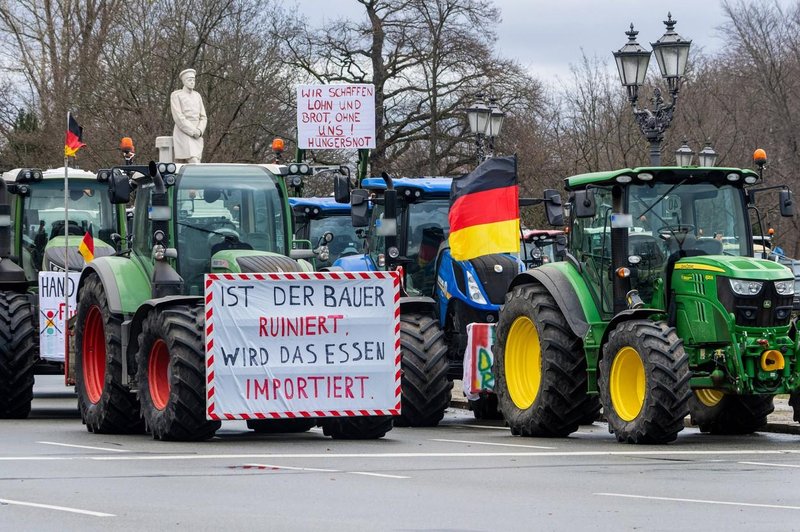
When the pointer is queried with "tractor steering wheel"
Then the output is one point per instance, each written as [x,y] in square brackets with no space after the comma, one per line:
[678,230]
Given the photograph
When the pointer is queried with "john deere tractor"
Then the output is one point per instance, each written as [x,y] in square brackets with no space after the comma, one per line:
[34,240]
[139,333]
[651,311]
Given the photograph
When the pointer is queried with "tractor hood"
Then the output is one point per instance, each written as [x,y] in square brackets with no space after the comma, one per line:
[735,267]
[55,250]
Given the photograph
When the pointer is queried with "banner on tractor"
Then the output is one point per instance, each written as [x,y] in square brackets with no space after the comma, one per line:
[53,312]
[290,345]
[333,117]
[478,359]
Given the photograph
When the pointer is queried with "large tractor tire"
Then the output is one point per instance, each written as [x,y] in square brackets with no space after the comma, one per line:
[281,426]
[356,428]
[106,406]
[172,374]
[644,382]
[17,355]
[425,388]
[540,367]
[718,413]
[794,402]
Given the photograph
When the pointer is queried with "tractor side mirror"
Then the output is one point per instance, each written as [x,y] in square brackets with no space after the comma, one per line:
[584,204]
[787,205]
[359,207]
[119,187]
[553,208]
[341,188]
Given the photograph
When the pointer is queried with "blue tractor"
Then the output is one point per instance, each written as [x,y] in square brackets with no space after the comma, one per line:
[408,227]
[323,221]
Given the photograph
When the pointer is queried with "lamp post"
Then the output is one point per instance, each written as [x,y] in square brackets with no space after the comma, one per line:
[672,52]
[485,122]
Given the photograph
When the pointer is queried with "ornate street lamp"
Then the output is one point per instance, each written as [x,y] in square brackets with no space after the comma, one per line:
[684,155]
[479,116]
[707,156]
[672,52]
[496,117]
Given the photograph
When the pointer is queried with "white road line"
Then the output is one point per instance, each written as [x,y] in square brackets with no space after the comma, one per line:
[498,444]
[699,501]
[272,466]
[510,454]
[476,426]
[771,465]
[382,475]
[84,447]
[59,508]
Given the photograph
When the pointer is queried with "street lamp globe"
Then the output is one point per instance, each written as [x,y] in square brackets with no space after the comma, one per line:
[672,53]
[684,155]
[632,61]
[478,117]
[496,118]
[707,156]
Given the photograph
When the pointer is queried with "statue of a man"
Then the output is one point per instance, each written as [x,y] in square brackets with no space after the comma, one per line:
[190,120]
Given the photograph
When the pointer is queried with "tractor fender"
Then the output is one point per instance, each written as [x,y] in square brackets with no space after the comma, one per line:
[418,304]
[627,315]
[562,291]
[123,297]
[133,327]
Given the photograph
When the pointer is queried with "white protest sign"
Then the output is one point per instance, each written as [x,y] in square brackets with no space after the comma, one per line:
[282,345]
[331,117]
[52,312]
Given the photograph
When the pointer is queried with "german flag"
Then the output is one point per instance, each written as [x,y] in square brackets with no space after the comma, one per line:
[86,247]
[74,134]
[484,210]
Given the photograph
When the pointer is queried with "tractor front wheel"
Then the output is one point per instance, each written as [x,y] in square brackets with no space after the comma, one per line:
[171,374]
[644,382]
[17,355]
[106,405]
[540,367]
[720,413]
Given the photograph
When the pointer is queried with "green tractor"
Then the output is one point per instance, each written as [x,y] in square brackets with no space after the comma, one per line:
[139,347]
[651,311]
[34,240]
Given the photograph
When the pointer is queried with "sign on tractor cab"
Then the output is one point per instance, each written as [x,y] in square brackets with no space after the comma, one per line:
[286,345]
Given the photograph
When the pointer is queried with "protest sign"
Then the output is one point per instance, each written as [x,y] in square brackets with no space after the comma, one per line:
[284,345]
[336,116]
[52,312]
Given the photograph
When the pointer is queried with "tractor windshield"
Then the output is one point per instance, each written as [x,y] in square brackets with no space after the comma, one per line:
[344,243]
[222,208]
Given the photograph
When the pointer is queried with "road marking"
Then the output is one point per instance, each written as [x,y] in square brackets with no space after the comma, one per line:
[59,508]
[498,444]
[700,501]
[383,475]
[510,454]
[84,447]
[475,426]
[271,466]
[772,465]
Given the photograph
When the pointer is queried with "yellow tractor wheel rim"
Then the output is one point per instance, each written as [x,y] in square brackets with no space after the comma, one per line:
[627,383]
[708,396]
[523,362]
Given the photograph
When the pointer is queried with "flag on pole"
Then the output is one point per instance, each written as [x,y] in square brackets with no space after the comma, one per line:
[74,135]
[86,247]
[484,210]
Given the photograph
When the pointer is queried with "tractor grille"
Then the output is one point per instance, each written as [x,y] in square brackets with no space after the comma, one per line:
[267,264]
[765,309]
[495,283]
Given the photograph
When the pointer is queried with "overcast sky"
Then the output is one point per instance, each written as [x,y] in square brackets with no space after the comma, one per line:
[546,36]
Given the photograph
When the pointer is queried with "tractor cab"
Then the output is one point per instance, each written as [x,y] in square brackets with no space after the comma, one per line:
[316,217]
[38,221]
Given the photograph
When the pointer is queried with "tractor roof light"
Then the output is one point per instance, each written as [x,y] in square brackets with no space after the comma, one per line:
[278,145]
[645,176]
[750,179]
[623,179]
[732,177]
[760,157]
[27,175]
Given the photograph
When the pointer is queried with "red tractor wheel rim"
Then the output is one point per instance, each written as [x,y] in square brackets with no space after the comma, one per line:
[158,374]
[94,355]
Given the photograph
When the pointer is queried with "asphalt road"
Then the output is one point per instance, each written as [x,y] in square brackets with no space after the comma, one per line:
[461,475]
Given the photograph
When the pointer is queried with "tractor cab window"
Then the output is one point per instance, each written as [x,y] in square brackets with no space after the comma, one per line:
[590,243]
[427,229]
[43,217]
[344,243]
[220,209]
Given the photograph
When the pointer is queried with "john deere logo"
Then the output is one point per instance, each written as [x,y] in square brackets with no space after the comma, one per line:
[767,303]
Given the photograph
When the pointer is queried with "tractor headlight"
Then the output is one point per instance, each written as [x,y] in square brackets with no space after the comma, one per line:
[746,288]
[785,288]
[474,290]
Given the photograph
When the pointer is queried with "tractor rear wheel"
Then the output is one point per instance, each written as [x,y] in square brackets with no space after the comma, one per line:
[794,402]
[106,405]
[356,428]
[644,382]
[17,355]
[425,387]
[172,374]
[540,366]
[719,413]
[281,426]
